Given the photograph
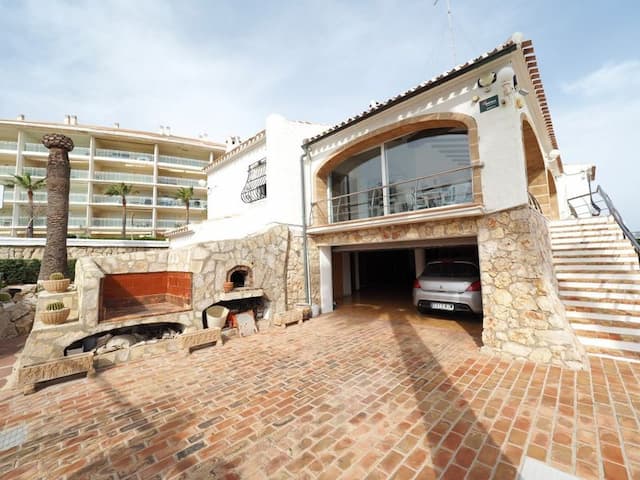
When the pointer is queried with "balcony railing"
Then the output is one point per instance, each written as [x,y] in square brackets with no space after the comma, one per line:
[6,221]
[192,162]
[181,182]
[124,155]
[117,222]
[116,200]
[38,147]
[42,197]
[42,172]
[42,221]
[174,202]
[8,145]
[8,194]
[447,188]
[124,177]
[7,170]
[165,223]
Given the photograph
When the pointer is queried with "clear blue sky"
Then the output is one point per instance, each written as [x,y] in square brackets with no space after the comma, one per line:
[222,67]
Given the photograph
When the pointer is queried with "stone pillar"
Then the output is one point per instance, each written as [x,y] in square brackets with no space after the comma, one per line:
[523,314]
[58,172]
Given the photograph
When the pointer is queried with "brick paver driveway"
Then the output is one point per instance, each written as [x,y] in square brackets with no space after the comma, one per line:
[361,393]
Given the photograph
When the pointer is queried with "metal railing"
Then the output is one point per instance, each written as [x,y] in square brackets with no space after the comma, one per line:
[192,162]
[116,200]
[182,182]
[123,155]
[42,172]
[533,203]
[8,145]
[124,177]
[38,147]
[42,221]
[6,221]
[165,223]
[117,222]
[598,203]
[174,202]
[451,187]
[7,170]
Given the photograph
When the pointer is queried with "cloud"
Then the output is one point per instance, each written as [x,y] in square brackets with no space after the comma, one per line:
[601,129]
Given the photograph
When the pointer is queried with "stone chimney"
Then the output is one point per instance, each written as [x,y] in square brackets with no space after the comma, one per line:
[232,142]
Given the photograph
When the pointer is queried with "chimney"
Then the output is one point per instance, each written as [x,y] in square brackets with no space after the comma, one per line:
[161,130]
[167,130]
[67,119]
[74,120]
[116,125]
[20,117]
[232,142]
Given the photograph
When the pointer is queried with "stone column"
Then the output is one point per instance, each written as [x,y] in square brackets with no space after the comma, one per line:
[523,314]
[58,174]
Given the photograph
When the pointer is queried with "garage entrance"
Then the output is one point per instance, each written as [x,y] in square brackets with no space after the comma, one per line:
[383,276]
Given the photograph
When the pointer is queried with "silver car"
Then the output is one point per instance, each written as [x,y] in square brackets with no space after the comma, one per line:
[449,286]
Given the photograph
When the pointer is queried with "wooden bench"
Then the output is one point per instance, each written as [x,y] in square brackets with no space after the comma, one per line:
[30,375]
[192,340]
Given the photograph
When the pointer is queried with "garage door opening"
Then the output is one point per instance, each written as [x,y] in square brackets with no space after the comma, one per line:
[384,278]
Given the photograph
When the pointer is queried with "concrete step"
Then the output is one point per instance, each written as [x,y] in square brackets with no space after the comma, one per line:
[614,357]
[582,221]
[591,245]
[601,329]
[594,317]
[608,276]
[626,259]
[597,252]
[614,307]
[604,343]
[584,228]
[598,268]
[586,238]
[601,296]
[600,286]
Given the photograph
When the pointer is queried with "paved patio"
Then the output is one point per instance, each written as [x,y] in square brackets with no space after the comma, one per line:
[362,393]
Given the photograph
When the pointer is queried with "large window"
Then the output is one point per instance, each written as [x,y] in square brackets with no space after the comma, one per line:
[425,169]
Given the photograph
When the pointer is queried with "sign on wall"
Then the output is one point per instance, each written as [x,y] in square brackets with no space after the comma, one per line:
[489,103]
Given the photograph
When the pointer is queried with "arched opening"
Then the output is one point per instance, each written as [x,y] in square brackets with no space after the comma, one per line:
[537,182]
[553,197]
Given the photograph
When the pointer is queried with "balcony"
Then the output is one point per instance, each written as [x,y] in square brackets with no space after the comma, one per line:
[8,145]
[181,182]
[123,155]
[174,202]
[116,200]
[443,189]
[78,222]
[123,177]
[165,223]
[42,197]
[117,223]
[6,221]
[42,172]
[7,170]
[39,148]
[190,162]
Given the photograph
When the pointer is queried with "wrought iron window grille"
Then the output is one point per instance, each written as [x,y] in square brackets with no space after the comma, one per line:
[256,186]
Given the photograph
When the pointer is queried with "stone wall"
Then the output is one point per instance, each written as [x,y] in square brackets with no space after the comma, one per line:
[523,314]
[16,316]
[28,253]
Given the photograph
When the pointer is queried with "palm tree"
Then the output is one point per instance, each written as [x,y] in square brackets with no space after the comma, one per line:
[25,182]
[185,195]
[121,190]
[54,258]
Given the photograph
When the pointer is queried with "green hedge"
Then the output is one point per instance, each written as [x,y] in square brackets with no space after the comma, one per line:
[26,271]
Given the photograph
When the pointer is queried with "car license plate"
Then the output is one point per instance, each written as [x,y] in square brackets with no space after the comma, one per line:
[442,306]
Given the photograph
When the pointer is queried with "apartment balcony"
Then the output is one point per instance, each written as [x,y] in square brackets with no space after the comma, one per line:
[42,172]
[167,223]
[109,154]
[75,222]
[8,145]
[116,200]
[117,223]
[123,177]
[174,202]
[180,182]
[42,197]
[189,162]
[39,148]
[7,170]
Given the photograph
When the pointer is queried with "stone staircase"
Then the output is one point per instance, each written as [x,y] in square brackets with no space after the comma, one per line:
[599,281]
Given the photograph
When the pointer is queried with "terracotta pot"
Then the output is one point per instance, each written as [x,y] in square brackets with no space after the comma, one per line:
[227,287]
[55,317]
[56,286]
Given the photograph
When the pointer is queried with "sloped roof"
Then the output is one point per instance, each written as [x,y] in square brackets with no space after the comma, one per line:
[232,153]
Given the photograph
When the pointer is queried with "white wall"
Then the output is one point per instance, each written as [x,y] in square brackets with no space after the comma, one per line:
[572,183]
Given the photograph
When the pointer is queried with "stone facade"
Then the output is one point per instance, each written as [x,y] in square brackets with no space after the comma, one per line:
[275,257]
[523,314]
[16,316]
[28,253]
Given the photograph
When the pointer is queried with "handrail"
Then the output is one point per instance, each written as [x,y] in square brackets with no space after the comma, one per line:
[618,218]
[533,202]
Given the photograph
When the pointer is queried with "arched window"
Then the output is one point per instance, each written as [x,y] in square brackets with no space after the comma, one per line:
[424,169]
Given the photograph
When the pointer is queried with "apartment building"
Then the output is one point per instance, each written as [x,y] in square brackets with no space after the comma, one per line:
[155,164]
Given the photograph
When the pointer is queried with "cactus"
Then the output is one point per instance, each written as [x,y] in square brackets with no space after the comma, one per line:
[5,297]
[56,276]
[53,306]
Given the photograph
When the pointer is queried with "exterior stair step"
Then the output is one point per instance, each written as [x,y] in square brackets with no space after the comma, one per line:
[605,343]
[627,297]
[601,286]
[609,276]
[597,260]
[582,221]
[583,228]
[591,245]
[583,317]
[600,329]
[584,238]
[603,305]
[597,252]
[597,268]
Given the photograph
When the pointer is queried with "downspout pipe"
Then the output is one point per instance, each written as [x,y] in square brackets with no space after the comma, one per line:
[305,247]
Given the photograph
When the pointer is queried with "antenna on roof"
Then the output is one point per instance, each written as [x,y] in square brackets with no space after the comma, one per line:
[453,39]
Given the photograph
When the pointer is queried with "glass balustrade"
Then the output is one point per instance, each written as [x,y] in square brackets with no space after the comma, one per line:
[124,177]
[174,202]
[42,197]
[117,222]
[181,182]
[116,200]
[192,162]
[35,147]
[5,221]
[8,145]
[124,155]
[41,221]
[35,171]
[7,170]
[8,194]
[165,223]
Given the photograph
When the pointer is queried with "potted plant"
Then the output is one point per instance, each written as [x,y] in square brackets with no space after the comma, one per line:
[55,313]
[56,283]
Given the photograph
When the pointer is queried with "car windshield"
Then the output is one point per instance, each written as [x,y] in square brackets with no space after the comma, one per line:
[450,269]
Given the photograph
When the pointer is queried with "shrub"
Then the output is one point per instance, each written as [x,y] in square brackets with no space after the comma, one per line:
[5,297]
[55,306]
[56,276]
[17,271]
